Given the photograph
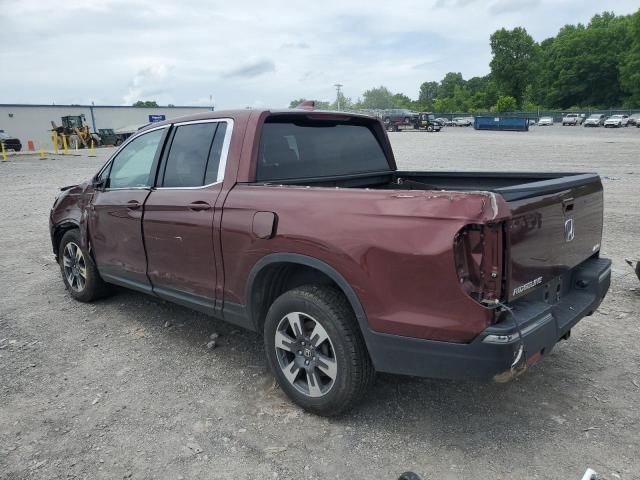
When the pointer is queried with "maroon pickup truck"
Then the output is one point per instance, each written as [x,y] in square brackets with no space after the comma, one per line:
[298,224]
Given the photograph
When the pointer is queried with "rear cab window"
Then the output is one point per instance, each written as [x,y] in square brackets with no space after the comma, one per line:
[298,147]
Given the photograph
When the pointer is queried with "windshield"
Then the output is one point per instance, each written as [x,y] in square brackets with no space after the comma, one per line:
[310,149]
[595,117]
[4,136]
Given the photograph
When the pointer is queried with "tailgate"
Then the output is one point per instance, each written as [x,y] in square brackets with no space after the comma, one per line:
[552,233]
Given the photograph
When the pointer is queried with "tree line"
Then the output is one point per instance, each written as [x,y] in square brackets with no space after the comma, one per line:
[584,66]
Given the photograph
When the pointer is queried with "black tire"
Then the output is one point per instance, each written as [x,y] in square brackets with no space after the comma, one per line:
[354,372]
[94,287]
[429,128]
[409,476]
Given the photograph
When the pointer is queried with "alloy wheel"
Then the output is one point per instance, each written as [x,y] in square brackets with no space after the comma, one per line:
[305,354]
[74,266]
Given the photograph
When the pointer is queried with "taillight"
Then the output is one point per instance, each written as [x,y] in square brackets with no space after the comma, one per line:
[478,260]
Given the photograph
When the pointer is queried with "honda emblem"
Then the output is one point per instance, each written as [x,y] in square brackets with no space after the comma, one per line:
[569,230]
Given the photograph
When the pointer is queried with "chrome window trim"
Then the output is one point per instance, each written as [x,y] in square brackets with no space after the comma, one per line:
[223,154]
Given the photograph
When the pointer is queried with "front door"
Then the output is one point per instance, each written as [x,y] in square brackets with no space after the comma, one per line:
[115,213]
[178,220]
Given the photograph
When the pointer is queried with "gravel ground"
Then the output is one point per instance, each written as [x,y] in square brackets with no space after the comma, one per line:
[126,388]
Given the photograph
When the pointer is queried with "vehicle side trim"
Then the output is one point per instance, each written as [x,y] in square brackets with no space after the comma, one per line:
[127,283]
[195,302]
[237,315]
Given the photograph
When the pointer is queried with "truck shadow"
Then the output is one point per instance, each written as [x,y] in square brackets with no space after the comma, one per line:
[537,405]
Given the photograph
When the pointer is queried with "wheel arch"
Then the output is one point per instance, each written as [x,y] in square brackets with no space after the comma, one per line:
[276,273]
[58,232]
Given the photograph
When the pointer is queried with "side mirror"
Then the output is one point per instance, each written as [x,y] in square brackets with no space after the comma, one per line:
[99,183]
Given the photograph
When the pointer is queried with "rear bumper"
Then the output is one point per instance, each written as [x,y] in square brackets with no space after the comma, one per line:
[497,354]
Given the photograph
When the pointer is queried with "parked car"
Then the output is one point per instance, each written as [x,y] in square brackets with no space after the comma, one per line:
[545,121]
[108,136]
[634,119]
[399,115]
[617,121]
[10,142]
[443,121]
[595,120]
[572,119]
[299,225]
[462,121]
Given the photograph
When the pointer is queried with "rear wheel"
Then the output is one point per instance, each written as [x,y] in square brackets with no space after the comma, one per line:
[316,351]
[79,273]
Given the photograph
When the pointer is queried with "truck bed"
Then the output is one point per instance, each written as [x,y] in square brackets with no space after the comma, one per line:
[555,224]
[511,185]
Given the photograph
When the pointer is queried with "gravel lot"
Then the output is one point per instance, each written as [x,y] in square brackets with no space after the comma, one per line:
[126,388]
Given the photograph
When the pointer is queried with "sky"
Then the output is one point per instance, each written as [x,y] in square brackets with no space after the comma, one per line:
[255,53]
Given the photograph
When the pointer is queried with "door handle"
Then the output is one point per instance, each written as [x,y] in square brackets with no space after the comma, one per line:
[133,204]
[199,205]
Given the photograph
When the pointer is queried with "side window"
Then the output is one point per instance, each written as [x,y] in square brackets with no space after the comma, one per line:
[190,150]
[216,153]
[132,166]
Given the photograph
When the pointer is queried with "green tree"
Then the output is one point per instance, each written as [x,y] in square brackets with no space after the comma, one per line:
[630,65]
[582,64]
[505,103]
[146,103]
[449,83]
[400,100]
[345,103]
[515,55]
[377,98]
[427,94]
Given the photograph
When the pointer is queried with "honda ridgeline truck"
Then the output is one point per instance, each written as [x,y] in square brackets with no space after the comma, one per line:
[298,224]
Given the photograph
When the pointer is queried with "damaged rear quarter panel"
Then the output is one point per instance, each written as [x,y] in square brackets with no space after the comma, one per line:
[393,247]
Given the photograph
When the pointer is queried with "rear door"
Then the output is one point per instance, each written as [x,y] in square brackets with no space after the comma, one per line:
[179,214]
[115,212]
[550,234]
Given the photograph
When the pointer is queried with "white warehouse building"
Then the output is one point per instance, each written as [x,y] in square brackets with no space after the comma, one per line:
[33,122]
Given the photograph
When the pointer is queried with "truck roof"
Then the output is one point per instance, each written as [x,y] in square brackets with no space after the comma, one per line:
[244,114]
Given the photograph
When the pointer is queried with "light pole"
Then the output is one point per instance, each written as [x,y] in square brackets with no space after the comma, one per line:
[338,87]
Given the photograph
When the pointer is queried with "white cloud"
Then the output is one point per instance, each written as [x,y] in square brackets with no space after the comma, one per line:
[254,52]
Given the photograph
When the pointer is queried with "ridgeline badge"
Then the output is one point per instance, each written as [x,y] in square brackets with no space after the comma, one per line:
[527,286]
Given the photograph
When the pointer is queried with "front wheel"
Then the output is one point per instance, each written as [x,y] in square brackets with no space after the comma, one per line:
[316,351]
[429,128]
[79,272]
